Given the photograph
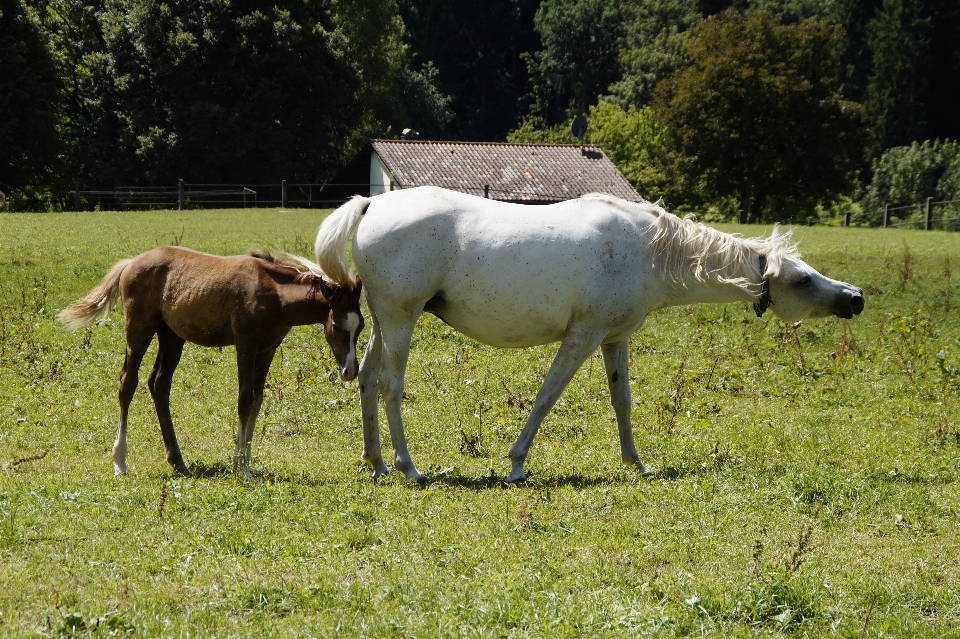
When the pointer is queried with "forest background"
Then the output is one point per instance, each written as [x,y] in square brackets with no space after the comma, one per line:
[774,108]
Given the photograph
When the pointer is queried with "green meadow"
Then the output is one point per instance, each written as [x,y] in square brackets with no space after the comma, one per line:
[806,475]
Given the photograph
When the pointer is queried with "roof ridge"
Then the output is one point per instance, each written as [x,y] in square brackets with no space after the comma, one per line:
[481,143]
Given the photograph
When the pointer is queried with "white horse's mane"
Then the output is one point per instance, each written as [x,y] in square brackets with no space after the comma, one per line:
[685,247]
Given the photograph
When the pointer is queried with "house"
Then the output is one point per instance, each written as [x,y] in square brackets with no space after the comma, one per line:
[525,173]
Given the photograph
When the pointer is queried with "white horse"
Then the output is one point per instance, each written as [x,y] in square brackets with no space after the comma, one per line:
[584,273]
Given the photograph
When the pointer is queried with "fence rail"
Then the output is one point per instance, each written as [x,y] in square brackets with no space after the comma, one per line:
[188,195]
[929,215]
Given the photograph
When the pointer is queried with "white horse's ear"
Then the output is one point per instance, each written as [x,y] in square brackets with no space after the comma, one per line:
[776,231]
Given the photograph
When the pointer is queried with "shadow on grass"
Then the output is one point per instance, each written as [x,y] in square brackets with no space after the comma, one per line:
[208,470]
[914,477]
[487,482]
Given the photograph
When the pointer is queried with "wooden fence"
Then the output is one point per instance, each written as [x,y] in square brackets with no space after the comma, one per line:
[920,214]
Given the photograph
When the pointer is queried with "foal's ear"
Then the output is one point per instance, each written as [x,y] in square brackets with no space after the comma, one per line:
[358,288]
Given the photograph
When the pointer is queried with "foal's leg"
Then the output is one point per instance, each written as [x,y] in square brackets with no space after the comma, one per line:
[395,352]
[261,368]
[369,382]
[616,359]
[138,341]
[574,350]
[169,350]
[248,404]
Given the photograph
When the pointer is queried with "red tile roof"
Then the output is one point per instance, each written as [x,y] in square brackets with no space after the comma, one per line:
[514,172]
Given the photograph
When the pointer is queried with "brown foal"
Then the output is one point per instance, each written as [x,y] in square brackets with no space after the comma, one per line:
[250,301]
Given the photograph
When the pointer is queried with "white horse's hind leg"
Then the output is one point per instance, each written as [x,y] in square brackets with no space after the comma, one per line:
[369,381]
[574,350]
[395,352]
[616,362]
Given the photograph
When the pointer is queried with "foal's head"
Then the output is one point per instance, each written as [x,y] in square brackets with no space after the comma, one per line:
[343,326]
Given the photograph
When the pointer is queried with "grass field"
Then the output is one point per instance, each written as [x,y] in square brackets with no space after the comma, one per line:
[806,476]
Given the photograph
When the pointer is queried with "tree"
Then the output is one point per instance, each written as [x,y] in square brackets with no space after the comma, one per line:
[655,34]
[582,40]
[758,115]
[473,51]
[899,78]
[231,92]
[29,93]
[910,174]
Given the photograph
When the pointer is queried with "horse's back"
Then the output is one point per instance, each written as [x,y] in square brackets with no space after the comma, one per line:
[506,274]
[196,294]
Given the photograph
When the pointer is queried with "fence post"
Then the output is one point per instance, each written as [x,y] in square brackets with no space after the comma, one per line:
[180,195]
[486,191]
[886,215]
[76,195]
[809,221]
[928,222]
[846,218]
[283,194]
[743,217]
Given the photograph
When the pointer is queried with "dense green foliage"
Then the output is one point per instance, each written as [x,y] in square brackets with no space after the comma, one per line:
[910,174]
[806,475]
[758,116]
[141,92]
[581,43]
[476,48]
[29,143]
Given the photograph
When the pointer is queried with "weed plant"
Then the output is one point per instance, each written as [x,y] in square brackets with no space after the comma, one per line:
[806,476]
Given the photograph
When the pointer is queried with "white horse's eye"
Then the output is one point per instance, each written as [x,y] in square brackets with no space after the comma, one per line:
[804,280]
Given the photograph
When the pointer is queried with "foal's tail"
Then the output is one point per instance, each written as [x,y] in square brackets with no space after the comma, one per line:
[331,245]
[99,301]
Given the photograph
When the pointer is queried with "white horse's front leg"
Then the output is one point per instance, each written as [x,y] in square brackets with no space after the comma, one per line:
[396,351]
[616,361]
[368,381]
[574,350]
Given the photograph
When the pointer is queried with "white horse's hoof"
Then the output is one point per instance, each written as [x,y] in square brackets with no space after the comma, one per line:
[643,470]
[247,475]
[514,478]
[380,469]
[416,474]
[119,471]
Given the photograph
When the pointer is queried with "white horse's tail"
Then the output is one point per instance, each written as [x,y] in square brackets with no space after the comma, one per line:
[99,301]
[331,245]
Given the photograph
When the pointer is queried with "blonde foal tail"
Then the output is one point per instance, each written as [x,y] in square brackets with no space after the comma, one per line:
[331,245]
[100,301]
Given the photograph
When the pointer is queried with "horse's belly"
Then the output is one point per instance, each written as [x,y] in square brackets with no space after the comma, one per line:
[503,322]
[504,335]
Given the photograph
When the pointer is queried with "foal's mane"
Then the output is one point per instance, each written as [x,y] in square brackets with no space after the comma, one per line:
[684,247]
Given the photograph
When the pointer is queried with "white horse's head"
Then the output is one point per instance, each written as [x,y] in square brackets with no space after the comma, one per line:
[794,290]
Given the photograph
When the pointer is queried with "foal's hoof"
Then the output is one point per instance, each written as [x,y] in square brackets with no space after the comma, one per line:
[643,470]
[421,480]
[183,471]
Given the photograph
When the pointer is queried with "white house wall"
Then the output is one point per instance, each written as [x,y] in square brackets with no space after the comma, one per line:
[379,176]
